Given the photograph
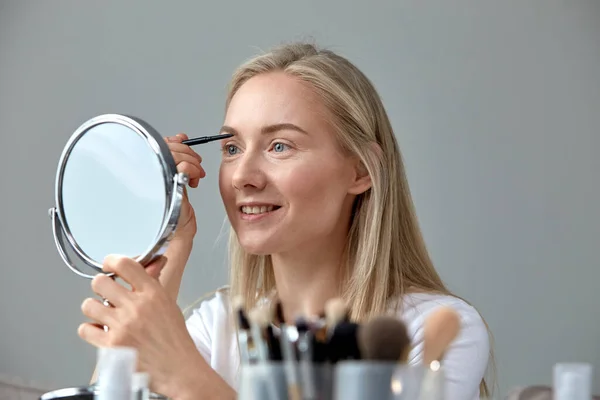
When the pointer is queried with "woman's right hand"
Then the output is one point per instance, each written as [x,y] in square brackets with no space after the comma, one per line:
[187,161]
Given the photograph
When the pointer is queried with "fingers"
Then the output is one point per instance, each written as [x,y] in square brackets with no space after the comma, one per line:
[127,269]
[93,334]
[191,166]
[187,160]
[97,312]
[154,268]
[181,137]
[185,149]
[107,288]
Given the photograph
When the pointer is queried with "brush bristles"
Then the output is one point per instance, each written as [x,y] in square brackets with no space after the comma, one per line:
[336,311]
[441,328]
[278,313]
[384,339]
[260,316]
[302,324]
[237,303]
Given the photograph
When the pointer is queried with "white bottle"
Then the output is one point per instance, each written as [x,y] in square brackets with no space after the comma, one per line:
[572,381]
[116,367]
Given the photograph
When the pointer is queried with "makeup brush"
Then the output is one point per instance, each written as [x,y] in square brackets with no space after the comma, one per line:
[259,320]
[305,350]
[247,347]
[335,312]
[273,343]
[319,339]
[342,334]
[206,139]
[384,338]
[288,352]
[441,328]
[260,323]
[304,339]
[320,328]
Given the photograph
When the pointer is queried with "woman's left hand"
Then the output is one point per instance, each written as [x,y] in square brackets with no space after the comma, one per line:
[144,317]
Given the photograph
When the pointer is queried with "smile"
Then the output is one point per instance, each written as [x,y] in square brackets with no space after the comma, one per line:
[257,210]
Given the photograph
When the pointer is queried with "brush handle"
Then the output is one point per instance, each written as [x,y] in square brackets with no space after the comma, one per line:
[294,392]
[245,341]
[273,345]
[432,385]
[289,359]
[261,346]
[309,390]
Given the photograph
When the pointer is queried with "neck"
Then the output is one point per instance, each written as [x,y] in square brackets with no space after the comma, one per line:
[306,279]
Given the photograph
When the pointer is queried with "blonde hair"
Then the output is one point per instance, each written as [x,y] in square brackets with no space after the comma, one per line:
[386,255]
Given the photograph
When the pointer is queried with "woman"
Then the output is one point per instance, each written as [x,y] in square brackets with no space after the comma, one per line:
[315,191]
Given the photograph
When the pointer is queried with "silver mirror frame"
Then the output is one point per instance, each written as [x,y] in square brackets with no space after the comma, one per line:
[174,187]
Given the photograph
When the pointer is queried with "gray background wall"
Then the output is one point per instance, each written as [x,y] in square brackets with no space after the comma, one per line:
[496,106]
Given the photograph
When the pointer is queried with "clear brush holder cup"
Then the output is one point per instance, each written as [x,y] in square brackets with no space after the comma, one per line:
[365,380]
[275,381]
[348,380]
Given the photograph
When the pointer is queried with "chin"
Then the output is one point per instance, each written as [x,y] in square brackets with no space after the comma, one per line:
[257,246]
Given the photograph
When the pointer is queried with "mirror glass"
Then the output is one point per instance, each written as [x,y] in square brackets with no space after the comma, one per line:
[113,192]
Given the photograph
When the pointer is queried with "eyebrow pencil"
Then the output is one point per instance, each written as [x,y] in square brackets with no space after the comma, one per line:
[206,139]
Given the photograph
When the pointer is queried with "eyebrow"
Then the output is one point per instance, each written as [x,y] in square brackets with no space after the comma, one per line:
[267,129]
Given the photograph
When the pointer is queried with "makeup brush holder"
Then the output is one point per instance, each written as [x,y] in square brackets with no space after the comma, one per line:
[358,380]
[262,381]
[347,380]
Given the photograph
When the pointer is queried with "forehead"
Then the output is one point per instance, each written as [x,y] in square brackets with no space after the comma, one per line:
[273,98]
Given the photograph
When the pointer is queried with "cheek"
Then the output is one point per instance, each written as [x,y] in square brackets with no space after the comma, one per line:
[315,186]
[225,187]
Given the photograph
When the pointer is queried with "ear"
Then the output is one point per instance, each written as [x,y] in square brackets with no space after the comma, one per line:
[361,179]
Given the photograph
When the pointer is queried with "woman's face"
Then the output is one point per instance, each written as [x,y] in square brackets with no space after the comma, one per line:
[284,180]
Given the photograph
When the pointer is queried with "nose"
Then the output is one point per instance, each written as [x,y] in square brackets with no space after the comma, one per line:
[249,173]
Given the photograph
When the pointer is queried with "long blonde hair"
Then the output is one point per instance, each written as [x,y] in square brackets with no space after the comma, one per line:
[385,254]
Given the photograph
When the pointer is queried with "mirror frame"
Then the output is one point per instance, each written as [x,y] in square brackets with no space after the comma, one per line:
[174,181]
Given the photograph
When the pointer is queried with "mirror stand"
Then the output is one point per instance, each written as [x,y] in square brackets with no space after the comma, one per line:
[117,191]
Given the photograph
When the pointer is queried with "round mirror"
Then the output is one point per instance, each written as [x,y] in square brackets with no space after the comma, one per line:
[117,192]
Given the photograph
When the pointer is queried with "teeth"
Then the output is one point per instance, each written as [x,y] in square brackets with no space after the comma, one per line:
[256,209]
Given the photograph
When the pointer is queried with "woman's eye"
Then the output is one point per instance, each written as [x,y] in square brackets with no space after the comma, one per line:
[231,149]
[279,147]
